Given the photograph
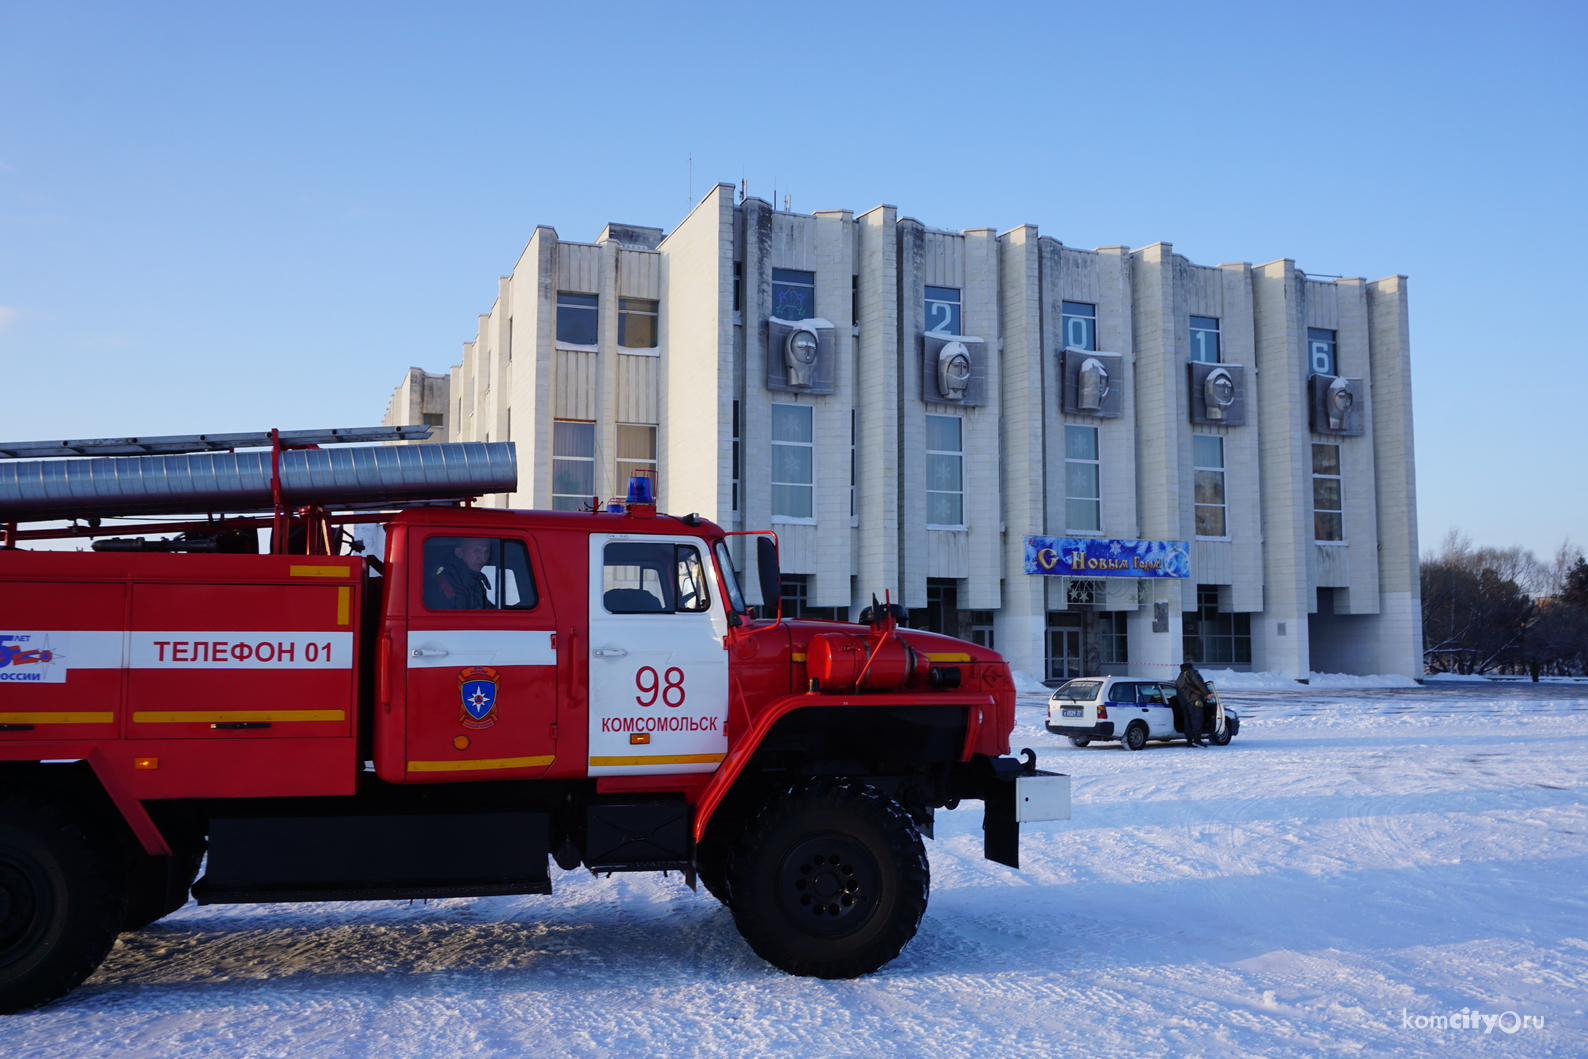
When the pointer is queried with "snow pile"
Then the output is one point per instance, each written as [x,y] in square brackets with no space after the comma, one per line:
[1026,684]
[1231,680]
[1348,680]
[1501,678]
[1271,680]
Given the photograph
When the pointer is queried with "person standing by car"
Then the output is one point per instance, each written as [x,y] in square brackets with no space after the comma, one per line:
[1193,692]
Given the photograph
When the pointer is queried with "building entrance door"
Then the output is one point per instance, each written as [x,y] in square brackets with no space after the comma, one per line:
[1064,654]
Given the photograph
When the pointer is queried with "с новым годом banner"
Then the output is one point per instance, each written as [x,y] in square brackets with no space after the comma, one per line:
[1100,557]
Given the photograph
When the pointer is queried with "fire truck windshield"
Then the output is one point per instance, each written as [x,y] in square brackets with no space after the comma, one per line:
[730,577]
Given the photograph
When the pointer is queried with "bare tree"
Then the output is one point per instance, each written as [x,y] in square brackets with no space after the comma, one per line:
[1502,610]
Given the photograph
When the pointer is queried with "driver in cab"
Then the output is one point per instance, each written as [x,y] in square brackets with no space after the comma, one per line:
[456,582]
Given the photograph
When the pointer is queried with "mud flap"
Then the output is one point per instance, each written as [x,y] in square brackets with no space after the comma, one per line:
[1019,791]
[1001,838]
[1000,827]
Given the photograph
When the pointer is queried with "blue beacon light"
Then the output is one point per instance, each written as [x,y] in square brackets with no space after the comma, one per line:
[640,490]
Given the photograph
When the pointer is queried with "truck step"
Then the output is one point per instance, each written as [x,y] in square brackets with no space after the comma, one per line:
[206,896]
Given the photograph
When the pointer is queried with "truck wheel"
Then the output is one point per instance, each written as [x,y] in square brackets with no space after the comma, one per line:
[62,899]
[1135,736]
[1080,740]
[830,880]
[149,892]
[711,865]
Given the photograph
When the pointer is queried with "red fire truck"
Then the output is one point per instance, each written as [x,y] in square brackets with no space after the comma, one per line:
[439,717]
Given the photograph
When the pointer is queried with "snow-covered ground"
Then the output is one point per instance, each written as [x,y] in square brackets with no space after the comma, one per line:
[1354,860]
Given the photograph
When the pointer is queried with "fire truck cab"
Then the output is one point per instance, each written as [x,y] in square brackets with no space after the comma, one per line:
[495,690]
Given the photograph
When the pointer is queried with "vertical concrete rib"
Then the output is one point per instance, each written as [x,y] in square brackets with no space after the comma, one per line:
[983,499]
[1400,633]
[1281,641]
[878,403]
[1020,625]
[834,269]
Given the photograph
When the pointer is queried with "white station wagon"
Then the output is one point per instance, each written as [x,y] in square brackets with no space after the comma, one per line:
[1131,710]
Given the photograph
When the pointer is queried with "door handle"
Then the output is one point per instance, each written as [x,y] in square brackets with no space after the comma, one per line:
[609,652]
[382,665]
[429,652]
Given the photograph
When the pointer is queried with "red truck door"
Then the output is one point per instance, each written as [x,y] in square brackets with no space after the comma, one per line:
[481,658]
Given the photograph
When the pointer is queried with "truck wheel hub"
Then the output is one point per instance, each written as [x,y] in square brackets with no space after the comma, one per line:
[19,902]
[827,885]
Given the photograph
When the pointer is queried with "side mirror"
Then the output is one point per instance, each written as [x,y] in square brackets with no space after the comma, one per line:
[771,577]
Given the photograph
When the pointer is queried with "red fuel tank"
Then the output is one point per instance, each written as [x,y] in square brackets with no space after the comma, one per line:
[848,661]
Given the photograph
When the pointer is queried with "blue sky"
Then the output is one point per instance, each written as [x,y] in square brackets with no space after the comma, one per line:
[230,217]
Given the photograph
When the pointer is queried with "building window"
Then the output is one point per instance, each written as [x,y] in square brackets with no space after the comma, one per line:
[735,455]
[1080,325]
[1213,638]
[1082,496]
[1320,351]
[1207,455]
[793,294]
[796,590]
[1115,645]
[738,286]
[854,301]
[981,629]
[636,454]
[854,427]
[945,483]
[793,463]
[941,613]
[577,318]
[572,465]
[432,419]
[943,310]
[637,323]
[1327,524]
[1205,339]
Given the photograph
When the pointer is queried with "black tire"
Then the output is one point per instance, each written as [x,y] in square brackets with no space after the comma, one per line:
[1080,740]
[1135,736]
[63,898]
[1220,736]
[830,880]
[149,891]
[711,866]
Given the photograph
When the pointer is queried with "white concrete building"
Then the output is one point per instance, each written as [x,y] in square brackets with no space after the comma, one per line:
[911,407]
[420,399]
